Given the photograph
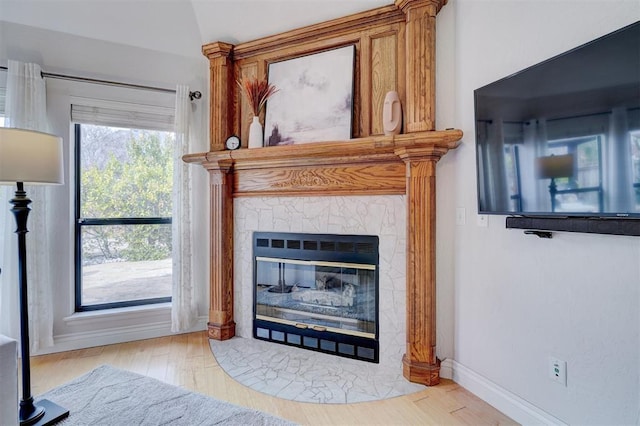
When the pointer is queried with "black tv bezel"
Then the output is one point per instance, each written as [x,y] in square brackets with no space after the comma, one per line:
[616,223]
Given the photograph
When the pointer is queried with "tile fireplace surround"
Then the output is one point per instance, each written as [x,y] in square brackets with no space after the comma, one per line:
[384,216]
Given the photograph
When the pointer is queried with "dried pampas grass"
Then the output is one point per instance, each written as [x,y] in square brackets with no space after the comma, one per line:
[256,92]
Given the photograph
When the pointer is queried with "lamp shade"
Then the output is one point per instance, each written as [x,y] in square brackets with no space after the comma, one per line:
[30,157]
[554,166]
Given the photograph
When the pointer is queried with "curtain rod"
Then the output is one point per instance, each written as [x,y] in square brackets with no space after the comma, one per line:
[192,95]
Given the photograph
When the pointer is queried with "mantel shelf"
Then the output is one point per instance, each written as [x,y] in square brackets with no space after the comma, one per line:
[374,149]
[364,166]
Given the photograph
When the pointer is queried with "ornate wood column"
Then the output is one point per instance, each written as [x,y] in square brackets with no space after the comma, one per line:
[419,362]
[221,101]
[221,325]
[420,30]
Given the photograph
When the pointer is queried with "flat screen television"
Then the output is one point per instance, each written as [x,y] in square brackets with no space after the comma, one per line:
[561,139]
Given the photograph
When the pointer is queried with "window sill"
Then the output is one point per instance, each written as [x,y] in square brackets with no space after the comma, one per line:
[130,312]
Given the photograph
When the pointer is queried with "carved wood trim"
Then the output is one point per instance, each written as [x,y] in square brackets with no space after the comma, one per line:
[419,362]
[366,166]
[221,323]
[420,102]
[221,81]
[351,24]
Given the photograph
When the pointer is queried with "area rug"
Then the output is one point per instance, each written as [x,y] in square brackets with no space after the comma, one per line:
[110,396]
[307,376]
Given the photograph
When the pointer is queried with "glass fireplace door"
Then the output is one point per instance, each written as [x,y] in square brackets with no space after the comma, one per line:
[317,292]
[323,296]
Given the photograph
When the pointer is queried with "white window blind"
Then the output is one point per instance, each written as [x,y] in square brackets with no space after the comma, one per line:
[121,114]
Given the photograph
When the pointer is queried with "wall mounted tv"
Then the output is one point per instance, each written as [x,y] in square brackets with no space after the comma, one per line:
[561,139]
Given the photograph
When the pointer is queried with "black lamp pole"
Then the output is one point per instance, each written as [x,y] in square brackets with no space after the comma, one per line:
[29,413]
[45,412]
[553,190]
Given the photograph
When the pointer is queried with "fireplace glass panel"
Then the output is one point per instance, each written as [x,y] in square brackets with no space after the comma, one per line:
[318,295]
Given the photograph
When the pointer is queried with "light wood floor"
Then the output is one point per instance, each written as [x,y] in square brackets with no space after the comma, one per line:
[186,360]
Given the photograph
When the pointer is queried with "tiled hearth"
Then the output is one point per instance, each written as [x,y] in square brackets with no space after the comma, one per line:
[384,216]
[306,376]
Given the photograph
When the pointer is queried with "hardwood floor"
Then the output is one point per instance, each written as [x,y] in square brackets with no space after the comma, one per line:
[186,360]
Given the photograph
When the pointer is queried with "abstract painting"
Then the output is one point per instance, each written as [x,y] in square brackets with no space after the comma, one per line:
[314,101]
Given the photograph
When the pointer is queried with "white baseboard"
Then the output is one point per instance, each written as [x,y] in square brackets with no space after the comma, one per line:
[507,402]
[109,336]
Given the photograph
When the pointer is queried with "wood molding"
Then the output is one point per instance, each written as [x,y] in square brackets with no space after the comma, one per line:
[421,372]
[419,362]
[221,323]
[348,26]
[431,143]
[367,166]
[420,73]
[435,4]
[222,93]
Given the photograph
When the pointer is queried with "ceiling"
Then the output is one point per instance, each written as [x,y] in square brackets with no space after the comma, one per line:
[177,26]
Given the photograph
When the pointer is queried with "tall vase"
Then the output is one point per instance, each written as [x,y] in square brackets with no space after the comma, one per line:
[255,133]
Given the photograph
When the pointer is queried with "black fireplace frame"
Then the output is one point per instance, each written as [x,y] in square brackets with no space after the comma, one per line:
[362,249]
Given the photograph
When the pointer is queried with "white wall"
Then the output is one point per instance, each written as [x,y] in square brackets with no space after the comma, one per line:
[67,54]
[506,301]
[511,300]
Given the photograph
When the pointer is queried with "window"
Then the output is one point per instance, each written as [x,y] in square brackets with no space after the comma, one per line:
[513,137]
[635,160]
[583,191]
[123,205]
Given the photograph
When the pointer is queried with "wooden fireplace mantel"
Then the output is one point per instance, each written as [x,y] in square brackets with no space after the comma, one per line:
[365,166]
[403,164]
[395,50]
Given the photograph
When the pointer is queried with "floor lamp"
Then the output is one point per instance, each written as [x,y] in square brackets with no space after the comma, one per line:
[35,158]
[554,167]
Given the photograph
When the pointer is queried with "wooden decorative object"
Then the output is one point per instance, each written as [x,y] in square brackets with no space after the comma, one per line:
[395,50]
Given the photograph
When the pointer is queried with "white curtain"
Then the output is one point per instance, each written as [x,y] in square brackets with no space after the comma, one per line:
[536,190]
[26,108]
[183,297]
[618,165]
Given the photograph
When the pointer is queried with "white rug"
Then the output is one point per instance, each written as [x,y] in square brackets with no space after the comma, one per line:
[307,376]
[110,396]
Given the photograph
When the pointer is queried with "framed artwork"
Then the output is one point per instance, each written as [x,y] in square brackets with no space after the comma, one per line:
[314,101]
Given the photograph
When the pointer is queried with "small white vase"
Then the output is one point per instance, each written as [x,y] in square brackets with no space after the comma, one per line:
[255,133]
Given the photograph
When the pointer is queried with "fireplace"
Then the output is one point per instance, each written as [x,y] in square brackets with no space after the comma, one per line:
[395,47]
[317,292]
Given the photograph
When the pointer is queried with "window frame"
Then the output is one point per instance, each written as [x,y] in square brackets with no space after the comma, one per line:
[79,222]
[572,145]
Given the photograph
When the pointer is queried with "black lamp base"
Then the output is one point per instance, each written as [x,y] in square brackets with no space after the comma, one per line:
[53,413]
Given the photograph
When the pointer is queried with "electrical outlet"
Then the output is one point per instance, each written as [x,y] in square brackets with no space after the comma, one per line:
[558,370]
[461,216]
[483,220]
